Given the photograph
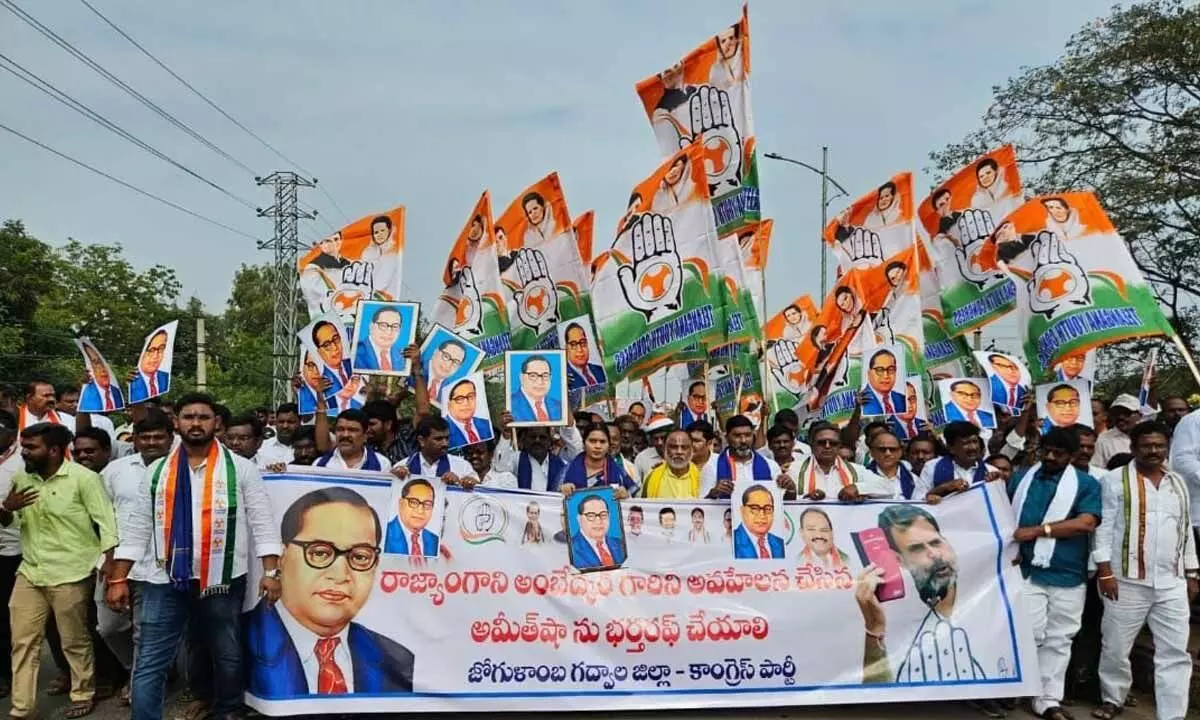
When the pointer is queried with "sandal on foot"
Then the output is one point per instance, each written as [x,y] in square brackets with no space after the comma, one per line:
[79,709]
[1057,713]
[1107,711]
[195,710]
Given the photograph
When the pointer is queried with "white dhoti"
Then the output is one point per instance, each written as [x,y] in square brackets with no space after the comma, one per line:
[1168,614]
[1056,614]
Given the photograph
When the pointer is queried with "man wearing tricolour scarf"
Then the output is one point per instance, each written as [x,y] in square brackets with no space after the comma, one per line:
[201,497]
[958,471]
[1057,508]
[1146,570]
[825,474]
[739,460]
[432,460]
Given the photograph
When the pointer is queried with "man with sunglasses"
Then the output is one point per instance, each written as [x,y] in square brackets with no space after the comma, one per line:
[308,642]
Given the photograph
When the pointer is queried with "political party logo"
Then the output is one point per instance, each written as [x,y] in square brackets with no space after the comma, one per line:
[536,298]
[468,316]
[482,520]
[789,527]
[652,283]
[1059,283]
[712,126]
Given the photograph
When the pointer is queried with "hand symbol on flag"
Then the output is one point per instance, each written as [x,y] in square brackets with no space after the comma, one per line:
[1059,283]
[537,300]
[652,284]
[357,283]
[712,125]
[469,318]
[863,247]
[882,324]
[786,367]
[970,233]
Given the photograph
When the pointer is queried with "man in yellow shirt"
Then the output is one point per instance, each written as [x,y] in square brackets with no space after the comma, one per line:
[67,522]
[677,477]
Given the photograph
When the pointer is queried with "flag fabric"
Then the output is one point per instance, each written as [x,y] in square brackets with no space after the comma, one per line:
[362,261]
[472,303]
[958,218]
[892,298]
[940,346]
[741,321]
[875,228]
[656,291]
[832,352]
[704,99]
[783,334]
[755,241]
[584,227]
[540,265]
[1077,286]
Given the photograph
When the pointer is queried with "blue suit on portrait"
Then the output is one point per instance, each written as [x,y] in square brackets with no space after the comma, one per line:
[874,405]
[337,384]
[92,400]
[381,665]
[955,413]
[367,359]
[576,380]
[458,438]
[139,391]
[1000,393]
[522,411]
[745,548]
[907,430]
[396,540]
[585,557]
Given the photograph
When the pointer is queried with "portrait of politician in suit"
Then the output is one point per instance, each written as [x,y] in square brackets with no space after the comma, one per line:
[753,539]
[381,332]
[591,518]
[963,399]
[1008,377]
[536,387]
[307,643]
[408,533]
[99,394]
[581,371]
[149,380]
[465,410]
[883,369]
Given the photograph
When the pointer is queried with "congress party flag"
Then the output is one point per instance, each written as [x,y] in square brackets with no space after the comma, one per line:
[875,227]
[472,303]
[361,261]
[940,346]
[704,99]
[755,242]
[1077,286]
[958,217]
[584,227]
[891,296]
[656,292]
[783,335]
[540,264]
[832,351]
[741,322]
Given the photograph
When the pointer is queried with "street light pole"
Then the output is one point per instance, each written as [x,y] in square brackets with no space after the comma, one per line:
[826,181]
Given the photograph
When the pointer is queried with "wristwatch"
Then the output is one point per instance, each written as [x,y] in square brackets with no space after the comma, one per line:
[272,574]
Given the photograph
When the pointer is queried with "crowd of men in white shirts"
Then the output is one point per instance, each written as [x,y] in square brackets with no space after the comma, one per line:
[1105,520]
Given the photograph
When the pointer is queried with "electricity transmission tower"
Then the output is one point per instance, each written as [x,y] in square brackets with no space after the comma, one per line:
[286,245]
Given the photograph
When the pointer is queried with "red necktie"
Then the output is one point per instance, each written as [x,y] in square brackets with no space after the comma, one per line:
[587,375]
[415,547]
[330,680]
[385,362]
[472,436]
[887,405]
[153,385]
[541,413]
[912,429]
[108,401]
[971,416]
[433,390]
[763,552]
[1012,397]
[606,557]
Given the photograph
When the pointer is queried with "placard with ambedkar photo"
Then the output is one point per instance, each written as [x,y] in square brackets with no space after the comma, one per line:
[446,357]
[883,381]
[326,337]
[153,375]
[585,368]
[1063,404]
[311,377]
[381,332]
[1076,365]
[967,399]
[595,530]
[465,408]
[759,522]
[1008,377]
[102,393]
[415,518]
[535,387]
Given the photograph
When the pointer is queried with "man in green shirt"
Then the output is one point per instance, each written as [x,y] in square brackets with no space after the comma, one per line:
[61,505]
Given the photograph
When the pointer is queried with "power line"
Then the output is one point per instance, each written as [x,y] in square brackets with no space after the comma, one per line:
[124,184]
[46,87]
[345,217]
[84,58]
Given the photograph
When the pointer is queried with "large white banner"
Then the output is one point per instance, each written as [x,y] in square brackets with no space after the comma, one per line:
[500,621]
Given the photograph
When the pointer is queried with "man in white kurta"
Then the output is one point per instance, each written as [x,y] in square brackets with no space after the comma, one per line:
[1147,572]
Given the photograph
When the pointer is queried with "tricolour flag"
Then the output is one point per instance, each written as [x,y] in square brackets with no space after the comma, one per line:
[361,261]
[783,334]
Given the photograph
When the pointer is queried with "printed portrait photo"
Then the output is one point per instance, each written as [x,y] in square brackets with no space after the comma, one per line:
[101,394]
[1063,404]
[1077,365]
[915,418]
[446,357]
[968,399]
[1008,377]
[595,529]
[153,375]
[418,510]
[312,379]
[381,332]
[327,337]
[535,384]
[465,407]
[758,514]
[585,368]
[883,375]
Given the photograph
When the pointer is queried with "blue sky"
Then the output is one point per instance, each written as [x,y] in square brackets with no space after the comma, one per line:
[425,104]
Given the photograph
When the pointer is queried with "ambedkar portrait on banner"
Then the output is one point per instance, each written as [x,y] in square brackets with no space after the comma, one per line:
[535,384]
[101,394]
[327,336]
[416,528]
[1063,404]
[596,530]
[759,533]
[381,332]
[153,375]
[445,358]
[308,642]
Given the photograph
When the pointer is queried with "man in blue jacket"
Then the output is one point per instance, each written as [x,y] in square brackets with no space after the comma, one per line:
[531,403]
[407,533]
[149,381]
[591,547]
[380,349]
[753,538]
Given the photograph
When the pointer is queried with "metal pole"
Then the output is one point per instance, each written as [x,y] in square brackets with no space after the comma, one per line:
[201,364]
[824,218]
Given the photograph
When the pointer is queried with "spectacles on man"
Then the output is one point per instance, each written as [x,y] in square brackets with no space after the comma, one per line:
[320,554]
[463,399]
[1065,403]
[760,509]
[332,342]
[415,504]
[540,377]
[884,370]
[450,359]
[577,344]
[390,327]
[595,516]
[156,349]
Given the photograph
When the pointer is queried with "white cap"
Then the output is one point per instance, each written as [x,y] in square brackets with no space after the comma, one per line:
[1126,401]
